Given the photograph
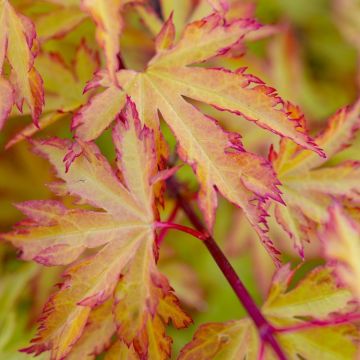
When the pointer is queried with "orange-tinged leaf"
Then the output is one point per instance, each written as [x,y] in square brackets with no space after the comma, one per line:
[87,284]
[121,227]
[97,334]
[136,297]
[338,134]
[243,178]
[169,308]
[341,243]
[61,324]
[131,140]
[159,343]
[154,344]
[138,300]
[98,114]
[228,341]
[315,298]
[241,94]
[212,36]
[16,42]
[301,172]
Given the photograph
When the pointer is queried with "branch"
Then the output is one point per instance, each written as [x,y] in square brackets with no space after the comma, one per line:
[265,329]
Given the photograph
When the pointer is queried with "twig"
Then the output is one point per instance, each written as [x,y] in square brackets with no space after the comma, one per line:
[164,230]
[265,329]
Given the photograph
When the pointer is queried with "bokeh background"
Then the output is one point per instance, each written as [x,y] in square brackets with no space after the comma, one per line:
[309,51]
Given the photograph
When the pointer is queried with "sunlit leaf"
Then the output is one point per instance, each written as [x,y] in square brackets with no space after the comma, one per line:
[315,298]
[300,172]
[124,229]
[243,178]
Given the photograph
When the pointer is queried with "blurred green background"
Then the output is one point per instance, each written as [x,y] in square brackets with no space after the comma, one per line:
[311,57]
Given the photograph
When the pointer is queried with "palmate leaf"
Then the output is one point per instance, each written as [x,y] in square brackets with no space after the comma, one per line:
[300,172]
[217,157]
[16,42]
[306,315]
[121,227]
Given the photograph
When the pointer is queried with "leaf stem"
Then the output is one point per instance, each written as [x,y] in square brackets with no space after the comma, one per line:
[164,231]
[265,329]
[169,225]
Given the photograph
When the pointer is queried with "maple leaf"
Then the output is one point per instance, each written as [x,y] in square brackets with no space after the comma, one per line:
[341,243]
[16,42]
[63,87]
[305,313]
[123,230]
[300,172]
[218,157]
